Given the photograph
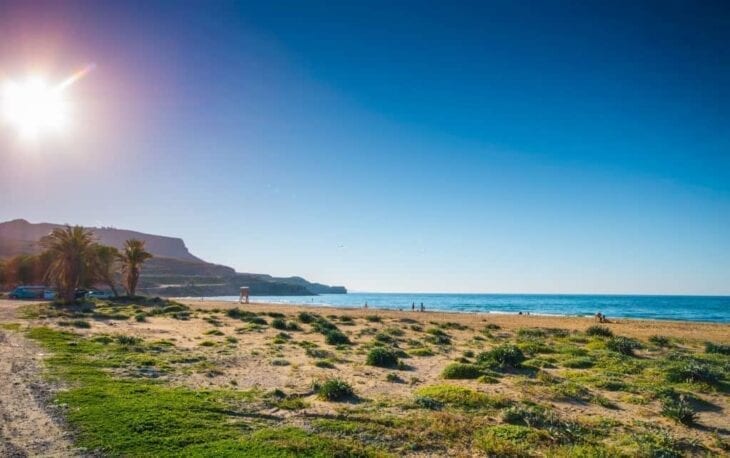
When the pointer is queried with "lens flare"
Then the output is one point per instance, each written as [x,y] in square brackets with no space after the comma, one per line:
[34,107]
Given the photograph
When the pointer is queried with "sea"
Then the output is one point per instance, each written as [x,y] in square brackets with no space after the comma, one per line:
[686,308]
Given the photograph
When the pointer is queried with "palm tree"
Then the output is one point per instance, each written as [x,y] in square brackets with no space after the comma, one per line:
[133,256]
[106,265]
[70,252]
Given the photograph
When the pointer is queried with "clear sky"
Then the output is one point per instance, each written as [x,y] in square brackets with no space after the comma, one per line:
[392,146]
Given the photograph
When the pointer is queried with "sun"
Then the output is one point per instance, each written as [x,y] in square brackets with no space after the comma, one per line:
[33,107]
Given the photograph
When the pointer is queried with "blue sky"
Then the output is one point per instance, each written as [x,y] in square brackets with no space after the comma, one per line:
[393,146]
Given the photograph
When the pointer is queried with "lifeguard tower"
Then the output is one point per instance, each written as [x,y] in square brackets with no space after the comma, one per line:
[245,290]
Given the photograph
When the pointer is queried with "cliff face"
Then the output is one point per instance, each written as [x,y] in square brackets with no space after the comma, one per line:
[173,271]
[20,231]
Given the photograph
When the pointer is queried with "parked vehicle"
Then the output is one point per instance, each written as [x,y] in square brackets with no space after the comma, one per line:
[81,293]
[96,294]
[49,294]
[27,292]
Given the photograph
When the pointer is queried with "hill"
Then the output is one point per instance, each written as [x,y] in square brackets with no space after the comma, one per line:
[173,271]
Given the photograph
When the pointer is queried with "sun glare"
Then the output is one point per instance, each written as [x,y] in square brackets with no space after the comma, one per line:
[33,107]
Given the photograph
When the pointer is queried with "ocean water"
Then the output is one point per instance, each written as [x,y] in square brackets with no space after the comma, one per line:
[688,308]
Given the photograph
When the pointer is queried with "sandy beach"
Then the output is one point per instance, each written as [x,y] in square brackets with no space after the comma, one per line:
[630,327]
[227,353]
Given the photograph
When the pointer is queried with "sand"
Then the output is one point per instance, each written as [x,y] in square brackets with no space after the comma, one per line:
[248,363]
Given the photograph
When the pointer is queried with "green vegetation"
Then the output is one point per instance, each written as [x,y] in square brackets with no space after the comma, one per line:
[659,341]
[152,419]
[334,389]
[721,349]
[506,355]
[581,362]
[461,371]
[678,409]
[623,345]
[278,323]
[564,386]
[132,256]
[599,331]
[460,397]
[336,337]
[382,357]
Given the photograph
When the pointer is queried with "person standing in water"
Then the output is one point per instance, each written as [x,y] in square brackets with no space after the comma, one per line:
[413,307]
[423,309]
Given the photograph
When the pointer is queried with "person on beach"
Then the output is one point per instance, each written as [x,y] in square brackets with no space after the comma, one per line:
[413,307]
[366,306]
[423,309]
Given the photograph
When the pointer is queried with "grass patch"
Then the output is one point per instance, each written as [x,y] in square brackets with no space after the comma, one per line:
[623,345]
[461,371]
[460,397]
[152,419]
[82,324]
[581,362]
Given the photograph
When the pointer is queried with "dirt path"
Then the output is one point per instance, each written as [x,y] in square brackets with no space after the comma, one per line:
[28,427]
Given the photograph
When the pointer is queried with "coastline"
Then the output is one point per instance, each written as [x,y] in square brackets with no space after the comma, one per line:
[633,327]
[714,309]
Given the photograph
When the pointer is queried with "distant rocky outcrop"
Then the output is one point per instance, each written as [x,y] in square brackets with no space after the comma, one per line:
[173,271]
[28,234]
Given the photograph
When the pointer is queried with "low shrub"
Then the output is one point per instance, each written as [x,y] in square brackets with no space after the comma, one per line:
[692,371]
[82,324]
[461,371]
[318,353]
[506,355]
[306,317]
[278,323]
[582,362]
[382,357]
[678,409]
[385,338]
[127,340]
[421,352]
[438,339]
[427,402]
[238,314]
[722,349]
[324,364]
[599,331]
[336,337]
[531,332]
[509,440]
[532,416]
[659,341]
[334,389]
[623,345]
